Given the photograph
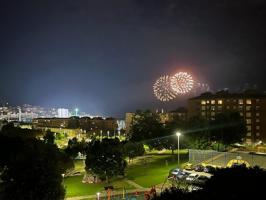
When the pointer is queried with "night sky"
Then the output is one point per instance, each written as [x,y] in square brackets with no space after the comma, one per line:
[103,56]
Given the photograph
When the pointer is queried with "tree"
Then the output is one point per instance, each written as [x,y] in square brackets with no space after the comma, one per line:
[74,147]
[73,123]
[197,133]
[29,168]
[49,137]
[132,150]
[105,158]
[145,126]
[228,128]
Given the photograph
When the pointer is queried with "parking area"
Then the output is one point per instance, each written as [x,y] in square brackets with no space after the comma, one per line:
[191,179]
[223,158]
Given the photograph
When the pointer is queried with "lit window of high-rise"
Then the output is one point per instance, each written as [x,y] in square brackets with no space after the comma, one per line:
[248,101]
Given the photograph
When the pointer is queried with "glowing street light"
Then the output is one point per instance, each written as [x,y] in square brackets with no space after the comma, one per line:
[63,175]
[98,195]
[178,134]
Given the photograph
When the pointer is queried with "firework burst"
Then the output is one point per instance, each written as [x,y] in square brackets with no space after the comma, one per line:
[181,83]
[162,89]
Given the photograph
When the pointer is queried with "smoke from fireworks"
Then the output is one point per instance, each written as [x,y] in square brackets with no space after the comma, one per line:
[200,88]
[162,89]
[181,83]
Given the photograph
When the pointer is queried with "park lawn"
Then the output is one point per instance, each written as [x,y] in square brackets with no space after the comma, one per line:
[153,169]
[75,187]
[79,165]
[145,170]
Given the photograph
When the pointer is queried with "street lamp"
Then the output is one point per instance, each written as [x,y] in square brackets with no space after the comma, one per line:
[63,175]
[178,134]
[98,195]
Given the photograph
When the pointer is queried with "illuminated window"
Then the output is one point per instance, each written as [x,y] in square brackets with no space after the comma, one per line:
[248,108]
[212,113]
[257,114]
[207,102]
[228,107]
[234,100]
[257,134]
[248,121]
[212,107]
[203,107]
[248,128]
[203,102]
[220,102]
[240,107]
[248,114]
[248,101]
[248,141]
[240,101]
[241,114]
[203,113]
[219,107]
[257,127]
[212,102]
[257,120]
[248,134]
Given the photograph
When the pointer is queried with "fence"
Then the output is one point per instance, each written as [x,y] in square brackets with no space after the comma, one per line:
[222,158]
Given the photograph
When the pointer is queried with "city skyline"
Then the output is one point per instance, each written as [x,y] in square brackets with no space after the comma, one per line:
[104,57]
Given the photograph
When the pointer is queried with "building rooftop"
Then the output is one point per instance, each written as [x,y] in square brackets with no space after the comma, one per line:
[227,94]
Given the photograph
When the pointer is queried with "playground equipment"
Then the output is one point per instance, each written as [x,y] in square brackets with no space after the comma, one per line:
[237,162]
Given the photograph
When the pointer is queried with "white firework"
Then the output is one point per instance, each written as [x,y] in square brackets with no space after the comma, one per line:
[162,89]
[181,83]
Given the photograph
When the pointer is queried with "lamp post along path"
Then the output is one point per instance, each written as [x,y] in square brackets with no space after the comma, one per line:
[178,134]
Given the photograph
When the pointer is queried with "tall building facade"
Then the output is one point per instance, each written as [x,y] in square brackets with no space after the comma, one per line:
[62,113]
[252,107]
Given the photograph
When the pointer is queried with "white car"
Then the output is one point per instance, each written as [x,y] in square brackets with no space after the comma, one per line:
[176,171]
[192,177]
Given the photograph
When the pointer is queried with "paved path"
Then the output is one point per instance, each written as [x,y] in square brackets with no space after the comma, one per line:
[132,183]
[104,194]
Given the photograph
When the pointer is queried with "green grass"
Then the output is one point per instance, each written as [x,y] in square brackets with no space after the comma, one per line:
[79,166]
[75,187]
[153,169]
[145,170]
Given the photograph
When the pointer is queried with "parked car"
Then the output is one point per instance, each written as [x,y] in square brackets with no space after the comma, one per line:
[188,166]
[192,177]
[199,168]
[201,180]
[182,175]
[175,171]
[209,169]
